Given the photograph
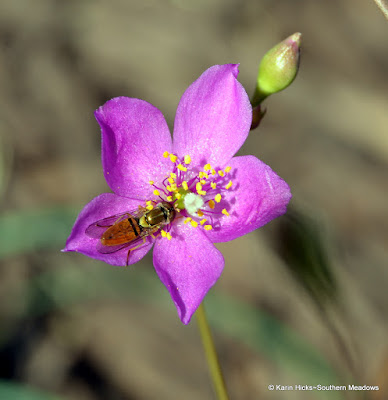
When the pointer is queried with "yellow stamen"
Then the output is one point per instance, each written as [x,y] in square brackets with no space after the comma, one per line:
[211,204]
[163,233]
[202,192]
[149,202]
[202,181]
[193,223]
[151,182]
[170,180]
[227,169]
[178,196]
[169,236]
[150,207]
[207,167]
[198,187]
[187,159]
[173,187]
[213,171]
[203,221]
[188,219]
[217,198]
[200,213]
[169,198]
[184,185]
[168,187]
[156,192]
[213,185]
[225,212]
[166,154]
[173,157]
[208,227]
[181,167]
[229,185]
[221,173]
[173,175]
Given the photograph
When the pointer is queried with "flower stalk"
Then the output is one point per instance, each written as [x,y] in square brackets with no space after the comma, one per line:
[211,354]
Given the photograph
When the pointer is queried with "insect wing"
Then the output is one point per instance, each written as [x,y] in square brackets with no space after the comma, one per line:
[97,229]
[111,249]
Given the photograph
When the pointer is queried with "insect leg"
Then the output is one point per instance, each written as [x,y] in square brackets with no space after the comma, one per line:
[134,248]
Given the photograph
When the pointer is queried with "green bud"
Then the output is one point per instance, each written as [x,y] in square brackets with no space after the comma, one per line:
[278,68]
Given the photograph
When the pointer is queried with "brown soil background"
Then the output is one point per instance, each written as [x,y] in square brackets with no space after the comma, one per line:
[326,136]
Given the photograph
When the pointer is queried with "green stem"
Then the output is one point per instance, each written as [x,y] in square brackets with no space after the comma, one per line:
[211,354]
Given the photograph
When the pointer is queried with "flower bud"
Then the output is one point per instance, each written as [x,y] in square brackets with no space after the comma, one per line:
[278,68]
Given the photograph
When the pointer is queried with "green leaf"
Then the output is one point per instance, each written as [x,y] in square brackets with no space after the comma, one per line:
[14,391]
[33,230]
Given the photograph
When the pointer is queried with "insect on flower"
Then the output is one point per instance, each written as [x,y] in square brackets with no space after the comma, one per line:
[130,229]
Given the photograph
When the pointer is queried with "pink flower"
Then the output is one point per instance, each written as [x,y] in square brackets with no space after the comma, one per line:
[216,197]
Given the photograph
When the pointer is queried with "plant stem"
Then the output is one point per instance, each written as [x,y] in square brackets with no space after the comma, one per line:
[382,5]
[211,354]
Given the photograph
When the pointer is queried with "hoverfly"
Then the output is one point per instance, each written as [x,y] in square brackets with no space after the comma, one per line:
[128,229]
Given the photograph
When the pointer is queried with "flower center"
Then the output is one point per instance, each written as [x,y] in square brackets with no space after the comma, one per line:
[197,194]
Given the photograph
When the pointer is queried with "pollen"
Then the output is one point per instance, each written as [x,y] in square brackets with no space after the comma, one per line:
[184,185]
[171,180]
[198,187]
[188,219]
[213,185]
[229,185]
[168,187]
[203,221]
[228,169]
[163,233]
[156,192]
[169,198]
[208,227]
[169,237]
[217,198]
[187,159]
[178,196]
[166,154]
[202,181]
[207,167]
[151,182]
[221,173]
[173,158]
[173,175]
[200,213]
[213,171]
[181,167]
[225,212]
[149,207]
[193,223]
[212,204]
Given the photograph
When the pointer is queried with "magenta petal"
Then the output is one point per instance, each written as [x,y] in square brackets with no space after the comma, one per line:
[103,206]
[188,265]
[134,137]
[257,196]
[213,117]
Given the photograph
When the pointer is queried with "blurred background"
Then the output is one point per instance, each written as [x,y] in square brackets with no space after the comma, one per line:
[303,300]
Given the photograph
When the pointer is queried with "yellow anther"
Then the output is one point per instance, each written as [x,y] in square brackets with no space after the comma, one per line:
[188,219]
[225,212]
[221,173]
[163,233]
[166,154]
[193,223]
[213,185]
[200,213]
[203,221]
[217,198]
[150,207]
[213,171]
[227,169]
[202,192]
[198,187]
[229,185]
[149,202]
[212,204]
[156,192]
[207,167]
[181,167]
[168,187]
[184,185]
[187,159]
[208,227]
[168,236]
[151,182]
[202,181]
[173,187]
[169,198]
[171,180]
[173,157]
[178,196]
[173,175]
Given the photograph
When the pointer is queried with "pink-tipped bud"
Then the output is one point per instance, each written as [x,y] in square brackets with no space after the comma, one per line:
[278,68]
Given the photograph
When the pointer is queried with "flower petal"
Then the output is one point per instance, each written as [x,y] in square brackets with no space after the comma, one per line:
[257,196]
[188,265]
[134,137]
[103,206]
[213,117]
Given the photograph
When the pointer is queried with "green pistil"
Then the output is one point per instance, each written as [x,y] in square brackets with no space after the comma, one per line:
[180,203]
